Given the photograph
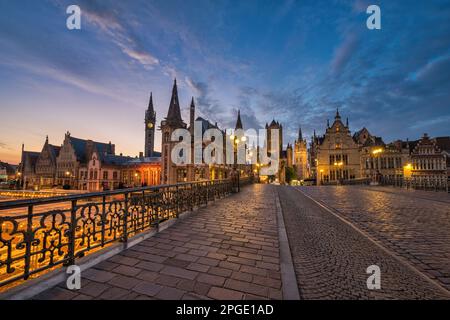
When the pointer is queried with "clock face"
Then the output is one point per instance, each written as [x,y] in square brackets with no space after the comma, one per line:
[150,125]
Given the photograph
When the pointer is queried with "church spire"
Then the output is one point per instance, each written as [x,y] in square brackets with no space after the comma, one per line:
[150,110]
[174,114]
[150,103]
[338,116]
[300,136]
[192,116]
[346,122]
[239,122]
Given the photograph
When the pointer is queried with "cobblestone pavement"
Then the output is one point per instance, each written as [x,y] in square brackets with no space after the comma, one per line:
[439,196]
[228,250]
[331,257]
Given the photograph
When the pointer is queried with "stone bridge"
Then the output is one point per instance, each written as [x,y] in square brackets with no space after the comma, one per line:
[281,242]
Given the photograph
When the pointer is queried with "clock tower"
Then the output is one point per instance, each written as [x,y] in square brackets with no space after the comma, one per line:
[150,120]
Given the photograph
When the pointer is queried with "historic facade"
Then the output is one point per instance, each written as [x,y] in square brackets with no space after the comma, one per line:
[193,171]
[280,177]
[380,160]
[429,161]
[91,166]
[337,154]
[27,168]
[73,155]
[301,157]
[46,166]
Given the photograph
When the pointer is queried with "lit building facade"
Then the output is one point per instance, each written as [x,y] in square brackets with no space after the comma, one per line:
[337,154]
[301,157]
[430,161]
[174,173]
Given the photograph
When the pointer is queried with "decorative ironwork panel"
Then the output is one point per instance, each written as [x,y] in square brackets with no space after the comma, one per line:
[39,239]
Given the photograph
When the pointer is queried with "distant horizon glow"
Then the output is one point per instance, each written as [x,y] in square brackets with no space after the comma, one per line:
[292,61]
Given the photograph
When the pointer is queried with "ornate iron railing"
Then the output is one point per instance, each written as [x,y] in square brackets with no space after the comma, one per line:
[41,234]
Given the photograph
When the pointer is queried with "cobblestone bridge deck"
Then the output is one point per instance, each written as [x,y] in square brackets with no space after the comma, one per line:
[231,249]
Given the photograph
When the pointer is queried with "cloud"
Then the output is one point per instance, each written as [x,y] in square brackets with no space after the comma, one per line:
[109,22]
[436,71]
[207,106]
[146,59]
[344,52]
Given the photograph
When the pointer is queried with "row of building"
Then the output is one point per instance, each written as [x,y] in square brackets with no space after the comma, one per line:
[338,156]
[94,166]
[335,157]
[89,165]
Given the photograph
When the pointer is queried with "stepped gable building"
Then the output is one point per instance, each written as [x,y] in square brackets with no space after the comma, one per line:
[337,157]
[430,164]
[46,168]
[73,156]
[301,157]
[172,173]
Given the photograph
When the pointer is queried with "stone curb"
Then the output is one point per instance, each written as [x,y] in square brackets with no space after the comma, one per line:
[288,277]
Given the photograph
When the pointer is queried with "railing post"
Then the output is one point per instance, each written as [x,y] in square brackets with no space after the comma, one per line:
[177,210]
[103,219]
[73,226]
[125,221]
[28,239]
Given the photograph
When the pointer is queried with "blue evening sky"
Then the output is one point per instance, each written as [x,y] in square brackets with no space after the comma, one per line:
[295,61]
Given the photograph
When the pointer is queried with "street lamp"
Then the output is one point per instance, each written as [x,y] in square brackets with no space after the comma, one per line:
[235,140]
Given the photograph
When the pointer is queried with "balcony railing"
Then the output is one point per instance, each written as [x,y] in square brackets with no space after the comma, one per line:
[38,235]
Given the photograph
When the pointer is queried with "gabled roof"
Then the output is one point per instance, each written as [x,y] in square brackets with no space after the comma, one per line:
[113,159]
[443,143]
[206,124]
[144,160]
[30,157]
[79,146]
[54,150]
[358,133]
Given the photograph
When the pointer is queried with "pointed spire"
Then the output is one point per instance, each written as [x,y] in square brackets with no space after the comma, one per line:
[346,122]
[192,103]
[338,116]
[328,123]
[174,113]
[239,122]
[150,103]
[150,113]
[300,136]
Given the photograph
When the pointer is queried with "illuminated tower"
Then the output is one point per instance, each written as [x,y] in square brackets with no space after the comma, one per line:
[170,173]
